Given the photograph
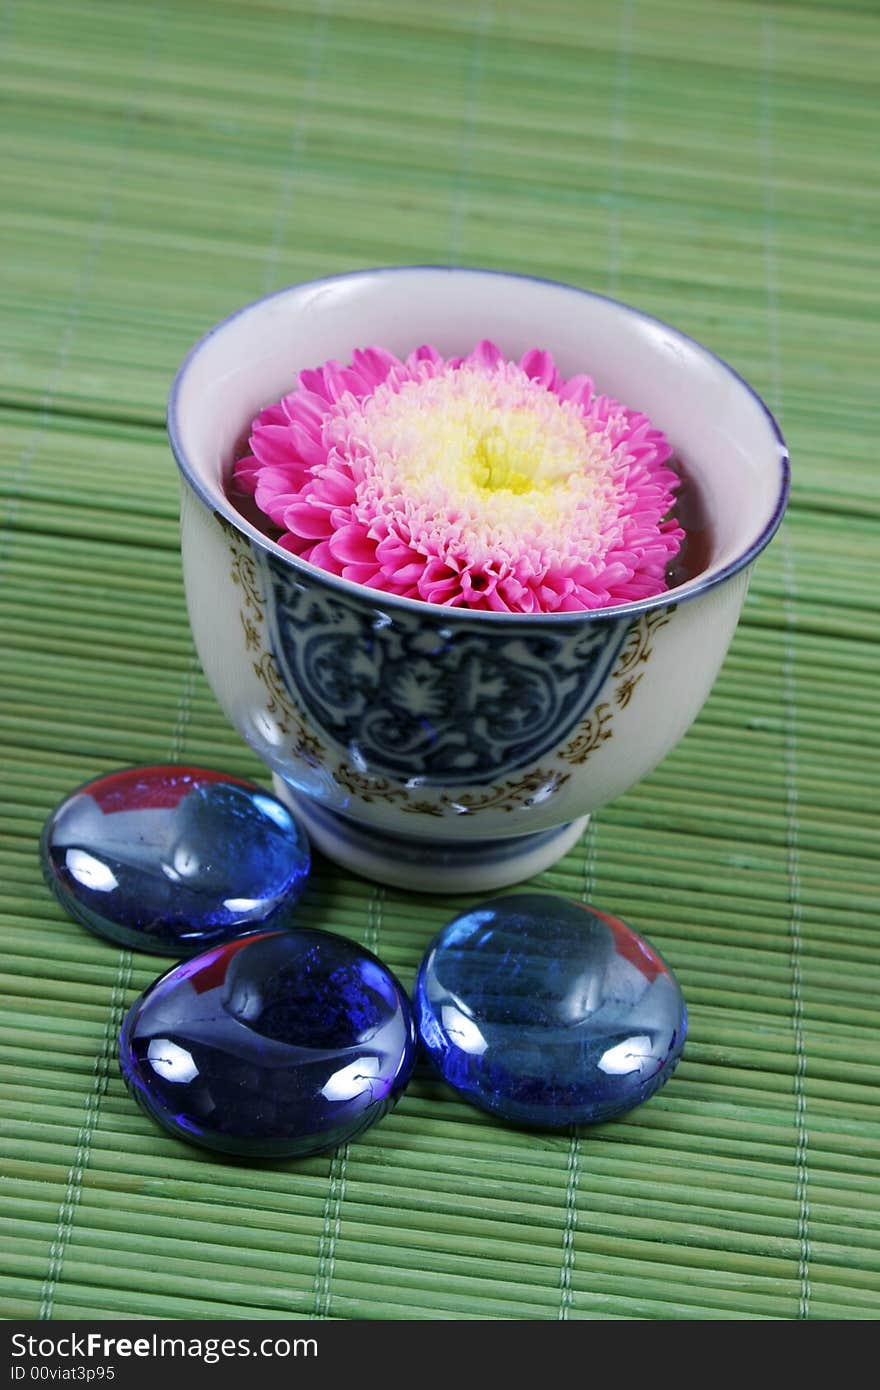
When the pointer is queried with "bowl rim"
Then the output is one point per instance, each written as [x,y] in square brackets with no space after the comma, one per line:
[378,598]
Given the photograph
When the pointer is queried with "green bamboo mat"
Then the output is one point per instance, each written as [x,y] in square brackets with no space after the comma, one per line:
[714,163]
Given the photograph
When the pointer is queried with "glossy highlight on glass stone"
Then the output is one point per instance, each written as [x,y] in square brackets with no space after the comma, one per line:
[277,1044]
[548,1013]
[173,859]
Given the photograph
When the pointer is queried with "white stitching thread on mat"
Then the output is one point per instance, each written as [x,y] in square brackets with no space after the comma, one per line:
[573,1167]
[298,138]
[330,1232]
[85,1136]
[101,1065]
[332,1218]
[332,1215]
[618,136]
[469,124]
[184,709]
[789,754]
[793,864]
[103,1060]
[569,1227]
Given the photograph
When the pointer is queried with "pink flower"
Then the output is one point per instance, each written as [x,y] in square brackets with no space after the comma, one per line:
[474,482]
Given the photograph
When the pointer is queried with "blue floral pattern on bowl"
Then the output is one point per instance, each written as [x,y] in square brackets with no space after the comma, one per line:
[427,703]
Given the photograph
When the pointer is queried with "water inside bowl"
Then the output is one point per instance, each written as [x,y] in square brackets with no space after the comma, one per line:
[695,554]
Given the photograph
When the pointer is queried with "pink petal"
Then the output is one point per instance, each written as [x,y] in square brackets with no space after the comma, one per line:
[305,408]
[360,573]
[541,368]
[497,602]
[404,576]
[394,551]
[309,522]
[425,353]
[352,545]
[285,477]
[578,389]
[322,556]
[272,415]
[274,445]
[339,380]
[477,585]
[276,504]
[332,488]
[305,446]
[245,474]
[439,583]
[292,543]
[314,381]
[375,365]
[485,354]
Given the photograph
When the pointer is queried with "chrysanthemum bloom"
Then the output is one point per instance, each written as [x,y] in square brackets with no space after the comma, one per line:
[472,481]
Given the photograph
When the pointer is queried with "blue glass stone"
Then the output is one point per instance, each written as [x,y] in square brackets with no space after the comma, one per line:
[547,1012]
[277,1044]
[173,859]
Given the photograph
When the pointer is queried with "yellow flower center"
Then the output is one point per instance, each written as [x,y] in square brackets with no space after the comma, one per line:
[500,465]
[494,445]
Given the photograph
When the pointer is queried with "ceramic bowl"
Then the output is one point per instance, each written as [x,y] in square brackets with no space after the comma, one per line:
[438,748]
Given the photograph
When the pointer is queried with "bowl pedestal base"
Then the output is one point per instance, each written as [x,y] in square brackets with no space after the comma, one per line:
[428,866]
